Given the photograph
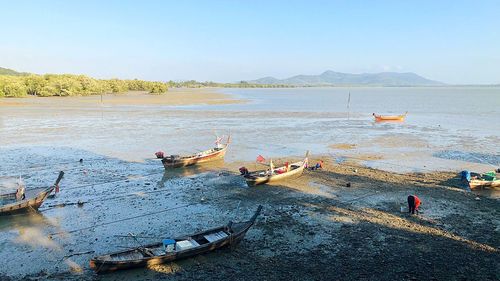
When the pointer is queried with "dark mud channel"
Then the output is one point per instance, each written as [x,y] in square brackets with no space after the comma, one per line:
[311,228]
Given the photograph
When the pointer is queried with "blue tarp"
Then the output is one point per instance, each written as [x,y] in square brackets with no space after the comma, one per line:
[465,175]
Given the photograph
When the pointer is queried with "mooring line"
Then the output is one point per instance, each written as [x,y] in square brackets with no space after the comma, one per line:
[387,163]
[114,181]
[134,217]
[120,220]
[50,207]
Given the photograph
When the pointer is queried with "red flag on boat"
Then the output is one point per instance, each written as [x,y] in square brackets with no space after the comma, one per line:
[218,140]
[260,159]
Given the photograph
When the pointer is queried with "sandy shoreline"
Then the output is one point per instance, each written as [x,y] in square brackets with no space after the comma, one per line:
[312,228]
[174,97]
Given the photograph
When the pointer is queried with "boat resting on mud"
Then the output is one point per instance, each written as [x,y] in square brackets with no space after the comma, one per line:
[213,154]
[479,183]
[32,201]
[474,180]
[179,248]
[276,174]
[393,118]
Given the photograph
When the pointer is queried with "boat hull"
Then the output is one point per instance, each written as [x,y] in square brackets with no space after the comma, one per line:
[270,179]
[236,232]
[169,163]
[478,184]
[108,266]
[27,205]
[389,118]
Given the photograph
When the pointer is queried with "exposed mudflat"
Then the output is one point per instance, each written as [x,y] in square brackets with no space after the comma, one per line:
[312,228]
[174,97]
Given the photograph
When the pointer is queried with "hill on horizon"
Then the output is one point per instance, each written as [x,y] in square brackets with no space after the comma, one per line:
[7,71]
[332,78]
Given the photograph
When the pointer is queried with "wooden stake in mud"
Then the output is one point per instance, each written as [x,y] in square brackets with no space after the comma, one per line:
[349,106]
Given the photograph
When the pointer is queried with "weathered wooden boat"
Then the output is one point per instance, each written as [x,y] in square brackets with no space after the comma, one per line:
[393,118]
[33,199]
[479,183]
[158,253]
[276,174]
[216,153]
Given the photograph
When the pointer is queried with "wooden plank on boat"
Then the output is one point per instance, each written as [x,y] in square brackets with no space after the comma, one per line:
[215,236]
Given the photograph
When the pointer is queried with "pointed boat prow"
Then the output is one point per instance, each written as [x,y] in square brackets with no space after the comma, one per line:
[59,178]
[257,213]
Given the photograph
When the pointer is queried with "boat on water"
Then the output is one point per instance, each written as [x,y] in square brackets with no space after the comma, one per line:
[393,118]
[272,174]
[174,249]
[216,153]
[32,199]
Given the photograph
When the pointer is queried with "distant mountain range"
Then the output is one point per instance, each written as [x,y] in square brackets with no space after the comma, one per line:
[327,78]
[332,78]
[6,71]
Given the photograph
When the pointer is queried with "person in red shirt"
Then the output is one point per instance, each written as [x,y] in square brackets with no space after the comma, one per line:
[413,204]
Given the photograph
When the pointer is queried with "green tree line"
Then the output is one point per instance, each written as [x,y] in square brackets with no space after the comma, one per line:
[71,85]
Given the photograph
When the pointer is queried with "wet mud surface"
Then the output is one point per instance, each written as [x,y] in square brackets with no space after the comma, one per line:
[311,228]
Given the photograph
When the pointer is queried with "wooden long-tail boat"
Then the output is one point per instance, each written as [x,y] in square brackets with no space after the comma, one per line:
[393,118]
[153,254]
[216,153]
[33,199]
[276,174]
[479,183]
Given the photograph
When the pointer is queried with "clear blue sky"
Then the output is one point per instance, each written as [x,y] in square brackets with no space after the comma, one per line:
[450,41]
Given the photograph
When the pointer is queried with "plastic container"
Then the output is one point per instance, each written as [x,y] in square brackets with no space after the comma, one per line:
[169,245]
[403,209]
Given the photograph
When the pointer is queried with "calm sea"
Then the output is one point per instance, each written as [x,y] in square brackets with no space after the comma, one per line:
[446,128]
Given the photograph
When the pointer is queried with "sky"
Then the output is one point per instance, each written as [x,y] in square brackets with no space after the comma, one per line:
[456,42]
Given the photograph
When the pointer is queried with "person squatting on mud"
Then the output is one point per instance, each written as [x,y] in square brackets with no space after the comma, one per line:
[413,204]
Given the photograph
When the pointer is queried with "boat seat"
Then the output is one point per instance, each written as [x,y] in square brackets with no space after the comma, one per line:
[146,252]
[215,236]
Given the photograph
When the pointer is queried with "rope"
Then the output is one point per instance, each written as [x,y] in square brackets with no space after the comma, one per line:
[114,181]
[411,167]
[51,166]
[121,220]
[387,163]
[98,200]
[130,218]
[60,163]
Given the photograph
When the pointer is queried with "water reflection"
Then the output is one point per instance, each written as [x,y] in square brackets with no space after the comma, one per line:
[19,221]
[190,171]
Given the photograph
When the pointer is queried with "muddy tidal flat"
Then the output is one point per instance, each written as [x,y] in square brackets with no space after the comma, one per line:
[312,228]
[174,97]
[343,222]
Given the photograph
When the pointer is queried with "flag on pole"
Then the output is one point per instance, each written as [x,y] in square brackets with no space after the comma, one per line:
[260,159]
